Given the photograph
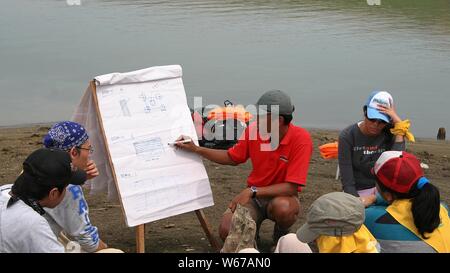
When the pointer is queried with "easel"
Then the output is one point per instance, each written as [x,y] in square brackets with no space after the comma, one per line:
[140,229]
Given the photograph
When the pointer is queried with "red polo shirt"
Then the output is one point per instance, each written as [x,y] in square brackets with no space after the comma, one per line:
[288,163]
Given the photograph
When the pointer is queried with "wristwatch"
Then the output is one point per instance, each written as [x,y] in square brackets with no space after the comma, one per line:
[254,191]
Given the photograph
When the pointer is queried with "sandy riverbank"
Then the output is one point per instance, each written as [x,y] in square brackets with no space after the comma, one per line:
[183,233]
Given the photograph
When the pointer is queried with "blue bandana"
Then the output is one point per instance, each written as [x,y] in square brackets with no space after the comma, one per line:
[65,135]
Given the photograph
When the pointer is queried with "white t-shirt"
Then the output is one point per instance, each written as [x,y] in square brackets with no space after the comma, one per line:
[23,230]
[72,216]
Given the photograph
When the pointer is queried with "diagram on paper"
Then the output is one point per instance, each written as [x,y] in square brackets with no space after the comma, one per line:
[159,199]
[152,201]
[149,149]
[150,184]
[141,113]
[108,92]
[124,107]
[128,175]
[119,138]
[153,102]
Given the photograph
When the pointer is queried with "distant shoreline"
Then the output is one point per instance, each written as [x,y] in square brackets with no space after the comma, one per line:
[28,125]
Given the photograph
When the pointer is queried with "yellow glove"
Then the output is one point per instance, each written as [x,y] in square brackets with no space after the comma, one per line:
[402,129]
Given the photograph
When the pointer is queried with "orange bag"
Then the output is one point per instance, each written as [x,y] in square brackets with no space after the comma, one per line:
[329,150]
[230,112]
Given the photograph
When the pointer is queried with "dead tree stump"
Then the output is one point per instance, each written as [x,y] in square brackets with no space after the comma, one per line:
[441,134]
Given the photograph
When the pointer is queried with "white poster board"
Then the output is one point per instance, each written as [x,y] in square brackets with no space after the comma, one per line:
[141,112]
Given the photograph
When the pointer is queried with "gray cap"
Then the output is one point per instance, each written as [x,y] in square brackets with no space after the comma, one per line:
[277,97]
[332,214]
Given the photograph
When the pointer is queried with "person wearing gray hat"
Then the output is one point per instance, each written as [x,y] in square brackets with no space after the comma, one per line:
[280,153]
[277,98]
[335,221]
[332,214]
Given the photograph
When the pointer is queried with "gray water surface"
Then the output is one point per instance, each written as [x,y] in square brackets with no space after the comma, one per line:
[328,54]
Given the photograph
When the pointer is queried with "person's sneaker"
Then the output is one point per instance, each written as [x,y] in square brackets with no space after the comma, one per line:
[278,233]
[242,232]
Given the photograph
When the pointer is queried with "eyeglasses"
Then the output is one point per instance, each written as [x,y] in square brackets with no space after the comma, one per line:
[90,149]
[373,120]
[379,121]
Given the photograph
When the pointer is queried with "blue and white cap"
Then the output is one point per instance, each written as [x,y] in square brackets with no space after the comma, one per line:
[65,135]
[376,98]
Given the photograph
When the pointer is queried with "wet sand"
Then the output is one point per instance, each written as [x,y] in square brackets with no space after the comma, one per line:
[183,233]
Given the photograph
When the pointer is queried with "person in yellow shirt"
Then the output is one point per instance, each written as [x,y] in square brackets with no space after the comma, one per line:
[407,216]
[335,222]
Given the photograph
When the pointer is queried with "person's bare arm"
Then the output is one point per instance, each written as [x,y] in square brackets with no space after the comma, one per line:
[218,156]
[282,189]
[368,200]
[101,245]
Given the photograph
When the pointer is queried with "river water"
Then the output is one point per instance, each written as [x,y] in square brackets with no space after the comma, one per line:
[327,54]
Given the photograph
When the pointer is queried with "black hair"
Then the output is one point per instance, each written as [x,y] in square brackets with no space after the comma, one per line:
[425,208]
[25,189]
[287,119]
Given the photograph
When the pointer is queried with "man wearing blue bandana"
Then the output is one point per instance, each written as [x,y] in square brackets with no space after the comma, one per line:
[72,215]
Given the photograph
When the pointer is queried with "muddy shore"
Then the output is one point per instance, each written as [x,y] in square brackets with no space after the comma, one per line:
[183,233]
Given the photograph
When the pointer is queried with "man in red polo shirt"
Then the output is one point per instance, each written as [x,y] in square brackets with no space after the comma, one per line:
[280,159]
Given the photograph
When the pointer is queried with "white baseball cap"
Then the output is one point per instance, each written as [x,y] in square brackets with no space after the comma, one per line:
[376,98]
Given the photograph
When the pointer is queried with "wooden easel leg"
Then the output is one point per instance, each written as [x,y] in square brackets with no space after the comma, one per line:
[208,230]
[140,239]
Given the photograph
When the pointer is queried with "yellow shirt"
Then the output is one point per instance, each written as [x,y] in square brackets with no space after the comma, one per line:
[439,239]
[362,241]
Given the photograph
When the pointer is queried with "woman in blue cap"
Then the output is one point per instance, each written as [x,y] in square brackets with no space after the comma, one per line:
[362,143]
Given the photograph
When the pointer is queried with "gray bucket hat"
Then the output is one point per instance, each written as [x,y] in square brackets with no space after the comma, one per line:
[279,98]
[332,214]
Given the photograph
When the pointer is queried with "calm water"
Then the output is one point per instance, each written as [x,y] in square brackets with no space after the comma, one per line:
[329,55]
